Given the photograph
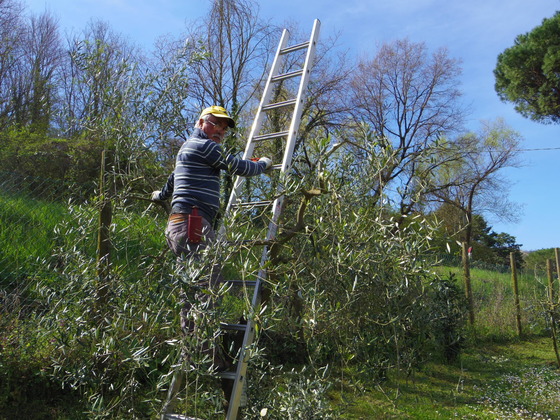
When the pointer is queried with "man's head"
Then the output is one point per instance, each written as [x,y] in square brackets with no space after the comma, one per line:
[215,121]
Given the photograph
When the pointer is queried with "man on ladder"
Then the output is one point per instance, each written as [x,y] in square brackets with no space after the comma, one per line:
[194,187]
[273,199]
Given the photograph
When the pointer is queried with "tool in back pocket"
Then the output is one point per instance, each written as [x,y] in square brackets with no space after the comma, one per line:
[195,226]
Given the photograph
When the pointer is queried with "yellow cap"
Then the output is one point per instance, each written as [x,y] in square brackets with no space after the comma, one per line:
[219,112]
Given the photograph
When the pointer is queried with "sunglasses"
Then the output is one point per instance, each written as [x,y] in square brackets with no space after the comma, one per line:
[213,124]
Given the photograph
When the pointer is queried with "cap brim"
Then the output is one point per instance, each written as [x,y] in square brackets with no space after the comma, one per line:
[231,122]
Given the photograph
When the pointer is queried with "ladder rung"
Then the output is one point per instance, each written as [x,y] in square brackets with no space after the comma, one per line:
[233,327]
[242,283]
[295,47]
[253,204]
[227,375]
[288,75]
[271,136]
[279,104]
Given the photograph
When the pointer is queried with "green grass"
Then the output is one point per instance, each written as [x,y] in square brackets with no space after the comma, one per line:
[516,379]
[494,303]
[26,234]
[31,228]
[499,376]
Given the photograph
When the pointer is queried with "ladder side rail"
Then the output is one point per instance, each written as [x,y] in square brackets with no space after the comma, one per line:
[243,356]
[257,123]
[300,96]
[294,126]
[240,372]
[267,93]
[273,225]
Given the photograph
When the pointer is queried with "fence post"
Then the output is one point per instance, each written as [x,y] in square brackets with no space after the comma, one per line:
[515,293]
[467,276]
[550,280]
[103,239]
[552,310]
[557,255]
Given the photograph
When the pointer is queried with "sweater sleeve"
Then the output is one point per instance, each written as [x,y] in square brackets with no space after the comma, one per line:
[167,190]
[233,165]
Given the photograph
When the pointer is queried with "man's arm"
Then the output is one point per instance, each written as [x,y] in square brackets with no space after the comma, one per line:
[167,190]
[236,166]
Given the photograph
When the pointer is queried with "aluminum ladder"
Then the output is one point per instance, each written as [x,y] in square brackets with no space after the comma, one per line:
[275,77]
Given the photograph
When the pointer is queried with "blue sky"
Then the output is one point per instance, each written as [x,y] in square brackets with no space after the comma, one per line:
[474,31]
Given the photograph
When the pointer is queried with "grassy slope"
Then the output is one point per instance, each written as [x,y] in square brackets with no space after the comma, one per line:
[498,376]
[493,381]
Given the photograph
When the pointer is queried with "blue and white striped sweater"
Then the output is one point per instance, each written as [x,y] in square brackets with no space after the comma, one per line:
[196,178]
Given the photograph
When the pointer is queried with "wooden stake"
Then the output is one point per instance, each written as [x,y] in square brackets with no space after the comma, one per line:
[515,293]
[467,276]
[103,240]
[550,280]
[557,255]
[552,310]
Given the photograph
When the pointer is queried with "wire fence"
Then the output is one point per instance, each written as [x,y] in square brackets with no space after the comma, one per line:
[30,210]
[34,213]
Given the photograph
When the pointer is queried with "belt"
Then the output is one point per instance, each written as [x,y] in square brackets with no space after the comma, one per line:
[178,217]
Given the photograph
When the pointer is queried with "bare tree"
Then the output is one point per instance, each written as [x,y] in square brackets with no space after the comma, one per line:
[31,78]
[403,101]
[94,76]
[237,48]
[12,31]
[326,110]
[43,58]
[473,183]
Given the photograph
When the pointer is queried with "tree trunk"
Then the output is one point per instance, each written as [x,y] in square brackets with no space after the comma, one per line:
[467,277]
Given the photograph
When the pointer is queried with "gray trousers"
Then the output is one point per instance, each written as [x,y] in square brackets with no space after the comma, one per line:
[185,250]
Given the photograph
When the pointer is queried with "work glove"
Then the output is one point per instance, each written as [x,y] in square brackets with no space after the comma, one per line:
[156,195]
[268,163]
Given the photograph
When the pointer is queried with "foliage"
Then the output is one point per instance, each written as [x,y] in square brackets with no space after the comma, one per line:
[527,73]
[109,357]
[494,248]
[121,365]
[450,306]
[26,390]
[488,246]
[294,394]
[536,260]
[357,268]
